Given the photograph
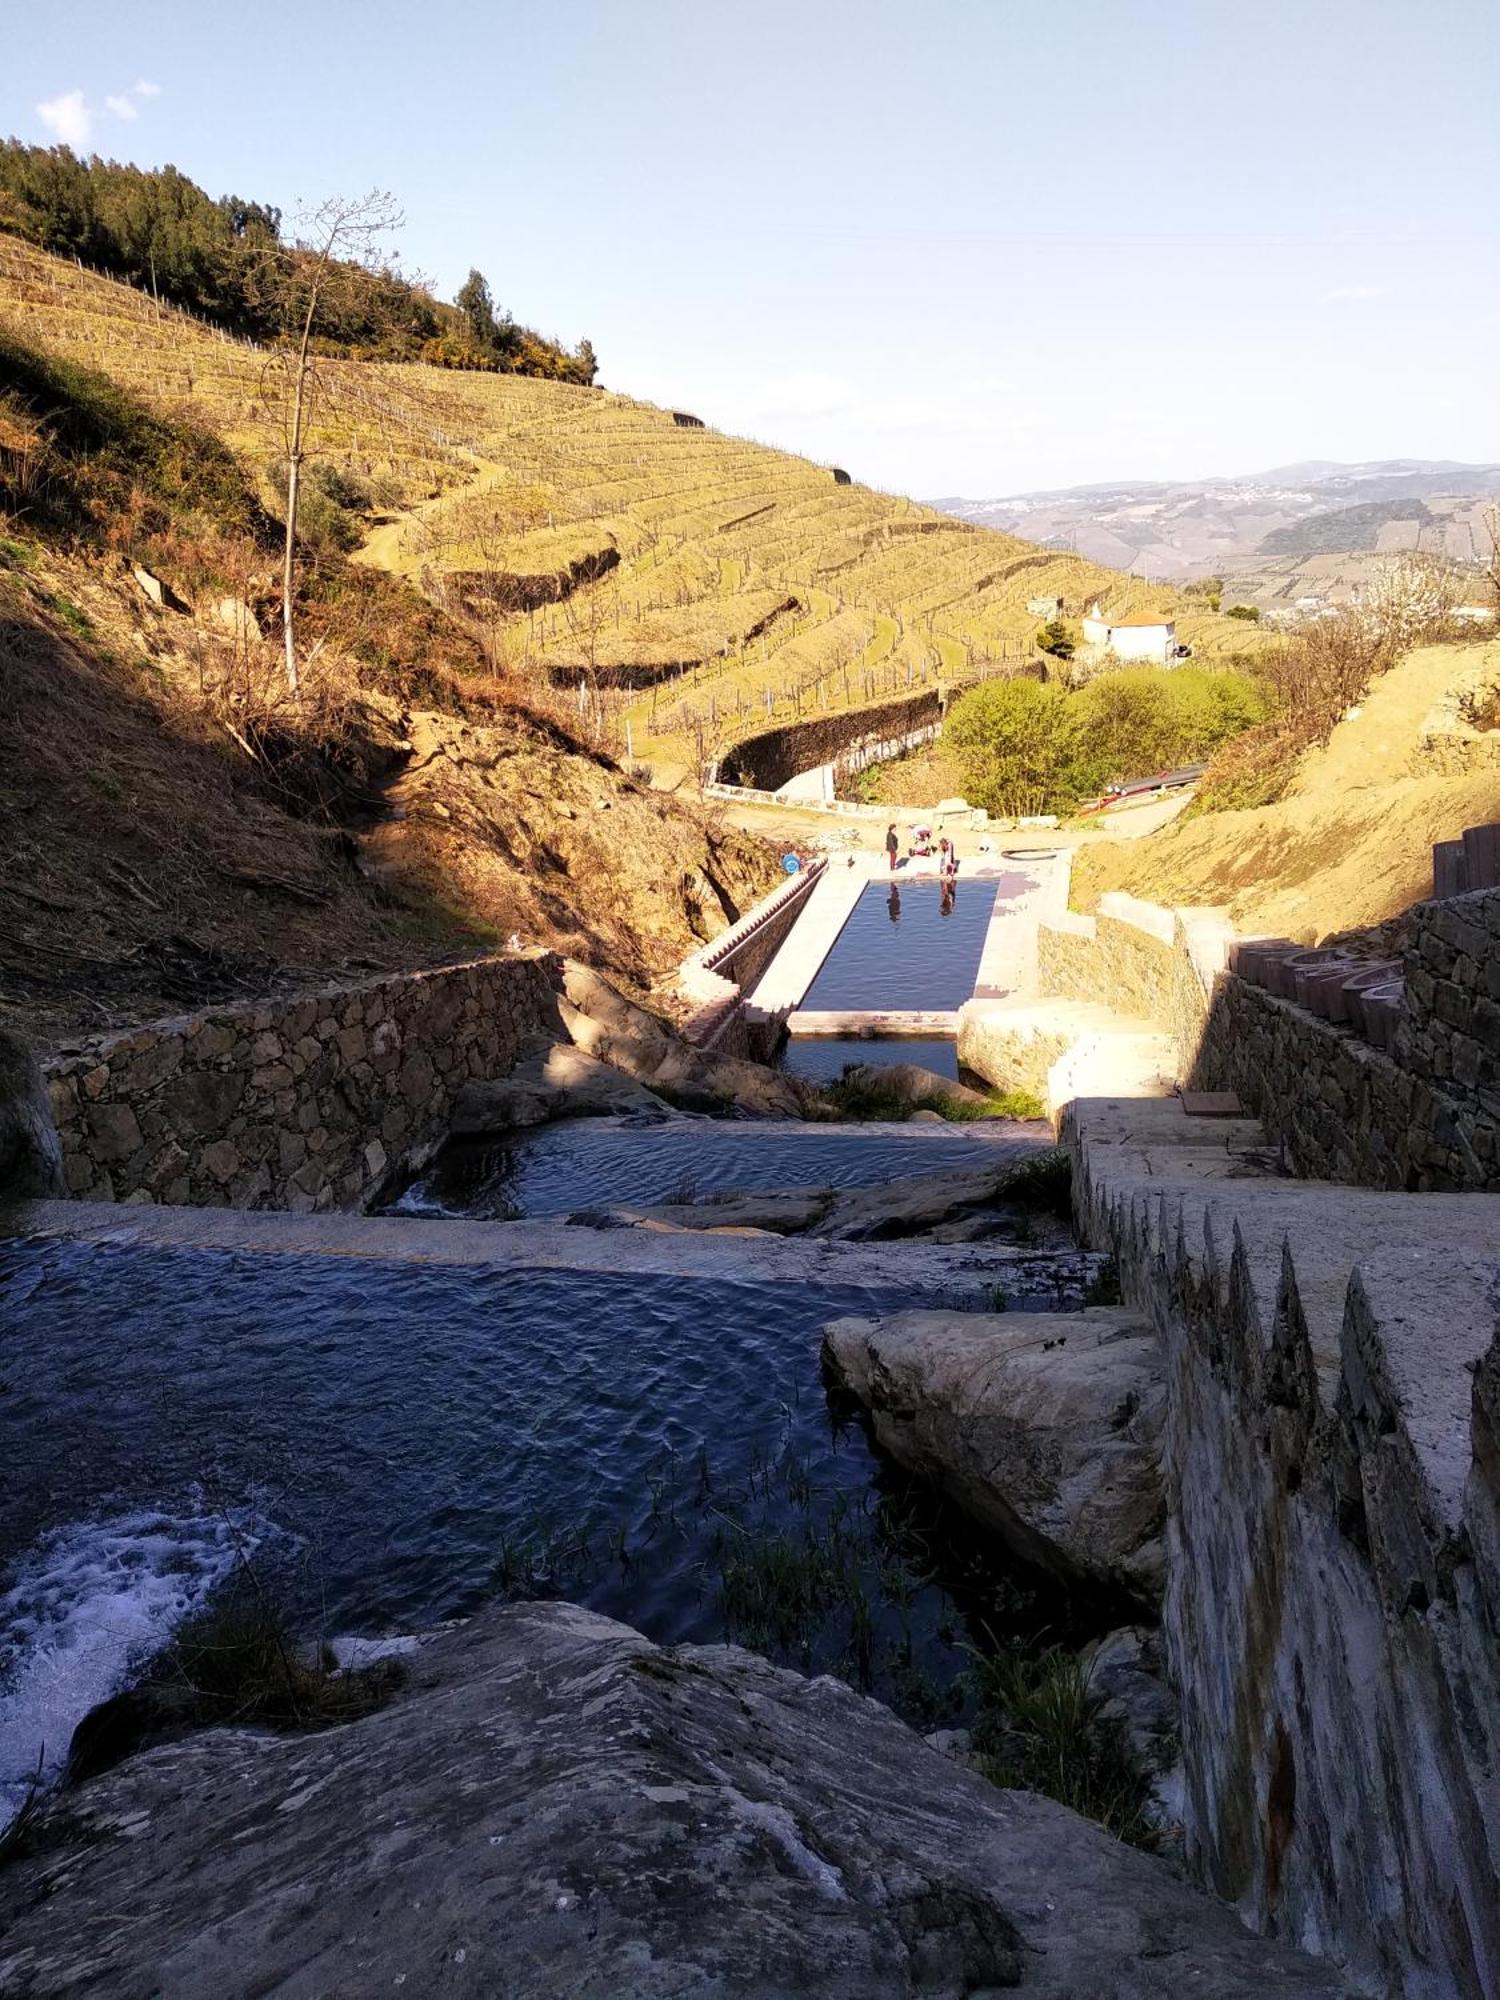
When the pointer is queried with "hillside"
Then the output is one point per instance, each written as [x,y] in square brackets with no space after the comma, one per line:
[173,830]
[693,586]
[1350,846]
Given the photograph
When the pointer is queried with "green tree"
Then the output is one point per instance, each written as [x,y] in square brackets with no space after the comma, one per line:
[475,302]
[1021,747]
[1056,638]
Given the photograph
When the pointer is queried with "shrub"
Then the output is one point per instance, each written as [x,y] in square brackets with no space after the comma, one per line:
[1056,638]
[1248,612]
[1021,748]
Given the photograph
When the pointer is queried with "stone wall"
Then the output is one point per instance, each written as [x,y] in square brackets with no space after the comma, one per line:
[1448,1031]
[306,1101]
[1122,957]
[1337,1108]
[716,977]
[767,761]
[1332,1466]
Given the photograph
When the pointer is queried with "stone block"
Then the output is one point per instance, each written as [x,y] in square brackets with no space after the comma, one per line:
[1450,875]
[114,1131]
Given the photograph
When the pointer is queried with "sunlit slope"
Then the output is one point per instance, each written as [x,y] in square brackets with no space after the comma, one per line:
[701,586]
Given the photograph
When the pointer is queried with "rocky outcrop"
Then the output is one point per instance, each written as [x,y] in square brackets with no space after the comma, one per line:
[911,1205]
[556,1809]
[551,1080]
[1044,1427]
[603,1023]
[31,1162]
[912,1083]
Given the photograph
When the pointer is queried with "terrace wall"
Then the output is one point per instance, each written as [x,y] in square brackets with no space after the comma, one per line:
[769,760]
[307,1101]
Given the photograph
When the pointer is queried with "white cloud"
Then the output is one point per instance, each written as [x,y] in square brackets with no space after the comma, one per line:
[122,107]
[67,118]
[1347,294]
[145,89]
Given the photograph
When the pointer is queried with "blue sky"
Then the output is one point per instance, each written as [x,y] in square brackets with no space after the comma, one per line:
[966,246]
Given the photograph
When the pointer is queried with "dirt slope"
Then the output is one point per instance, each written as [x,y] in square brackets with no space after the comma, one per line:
[1351,845]
[148,864]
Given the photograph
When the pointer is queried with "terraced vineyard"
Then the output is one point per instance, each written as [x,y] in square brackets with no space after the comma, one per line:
[693,587]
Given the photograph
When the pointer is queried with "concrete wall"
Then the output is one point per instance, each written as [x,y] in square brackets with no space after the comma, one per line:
[718,975]
[306,1101]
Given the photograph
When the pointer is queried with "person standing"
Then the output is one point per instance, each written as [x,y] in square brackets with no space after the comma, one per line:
[892,846]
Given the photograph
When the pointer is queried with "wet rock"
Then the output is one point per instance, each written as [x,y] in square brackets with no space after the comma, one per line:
[913,1083]
[1044,1427]
[556,1807]
[31,1162]
[920,1201]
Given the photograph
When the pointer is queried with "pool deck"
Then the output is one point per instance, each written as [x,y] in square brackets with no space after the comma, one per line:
[962,1276]
[1007,964]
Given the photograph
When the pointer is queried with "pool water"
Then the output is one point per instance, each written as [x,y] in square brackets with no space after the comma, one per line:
[596,1163]
[396,1443]
[824,1058]
[909,946]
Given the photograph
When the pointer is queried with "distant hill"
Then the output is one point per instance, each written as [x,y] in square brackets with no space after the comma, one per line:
[1253,530]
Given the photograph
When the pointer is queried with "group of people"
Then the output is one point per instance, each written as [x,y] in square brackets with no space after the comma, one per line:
[947,852]
[947,861]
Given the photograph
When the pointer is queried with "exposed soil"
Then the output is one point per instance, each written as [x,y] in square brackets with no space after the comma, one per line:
[153,859]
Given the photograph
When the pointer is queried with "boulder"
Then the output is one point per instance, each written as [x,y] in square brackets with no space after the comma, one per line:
[920,1201]
[31,1162]
[1044,1427]
[556,1809]
[606,1025]
[551,1080]
[912,1083]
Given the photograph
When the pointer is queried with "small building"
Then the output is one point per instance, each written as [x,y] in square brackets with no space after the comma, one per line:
[686,421]
[840,477]
[1140,636]
[1046,608]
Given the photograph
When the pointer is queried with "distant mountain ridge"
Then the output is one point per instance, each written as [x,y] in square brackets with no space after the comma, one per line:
[1250,528]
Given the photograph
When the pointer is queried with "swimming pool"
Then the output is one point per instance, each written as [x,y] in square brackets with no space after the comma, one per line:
[908,947]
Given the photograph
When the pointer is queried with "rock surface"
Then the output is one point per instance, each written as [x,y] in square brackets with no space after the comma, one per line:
[558,1810]
[551,1080]
[913,1083]
[31,1161]
[1044,1427]
[907,1206]
[603,1023]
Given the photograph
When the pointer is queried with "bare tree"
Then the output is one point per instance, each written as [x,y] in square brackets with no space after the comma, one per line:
[1491,520]
[343,229]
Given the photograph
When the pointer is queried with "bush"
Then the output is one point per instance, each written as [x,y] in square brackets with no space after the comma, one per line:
[1248,612]
[1027,747]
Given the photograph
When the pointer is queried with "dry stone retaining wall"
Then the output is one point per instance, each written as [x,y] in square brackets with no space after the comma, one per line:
[307,1101]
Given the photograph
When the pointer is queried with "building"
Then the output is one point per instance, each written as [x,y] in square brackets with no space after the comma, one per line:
[1141,636]
[1045,607]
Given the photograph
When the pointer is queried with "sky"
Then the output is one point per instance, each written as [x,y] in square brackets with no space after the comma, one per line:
[969,247]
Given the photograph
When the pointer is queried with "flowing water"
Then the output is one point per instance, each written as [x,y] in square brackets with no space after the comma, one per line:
[594,1162]
[398,1442]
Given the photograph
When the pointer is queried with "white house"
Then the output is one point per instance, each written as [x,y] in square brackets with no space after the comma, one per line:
[1141,636]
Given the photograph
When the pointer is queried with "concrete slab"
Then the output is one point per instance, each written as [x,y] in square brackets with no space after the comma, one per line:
[955,1274]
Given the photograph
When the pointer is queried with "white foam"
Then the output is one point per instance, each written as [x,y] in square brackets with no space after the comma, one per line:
[87,1607]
